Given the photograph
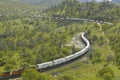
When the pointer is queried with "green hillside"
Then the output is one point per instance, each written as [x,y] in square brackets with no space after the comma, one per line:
[98,11]
[116,1]
[26,41]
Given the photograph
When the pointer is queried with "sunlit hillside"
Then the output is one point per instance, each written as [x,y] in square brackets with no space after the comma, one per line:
[33,32]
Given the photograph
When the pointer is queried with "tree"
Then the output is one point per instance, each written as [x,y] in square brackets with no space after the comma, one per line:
[32,74]
[117,58]
[106,73]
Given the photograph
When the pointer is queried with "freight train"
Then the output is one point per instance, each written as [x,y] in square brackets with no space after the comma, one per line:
[61,17]
[51,63]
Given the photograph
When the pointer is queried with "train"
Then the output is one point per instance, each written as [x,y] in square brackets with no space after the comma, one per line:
[62,17]
[67,58]
[50,63]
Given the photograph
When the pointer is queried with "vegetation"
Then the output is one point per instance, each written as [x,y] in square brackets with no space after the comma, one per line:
[25,40]
[34,46]
[106,73]
[45,3]
[31,74]
[104,11]
[30,41]
[112,33]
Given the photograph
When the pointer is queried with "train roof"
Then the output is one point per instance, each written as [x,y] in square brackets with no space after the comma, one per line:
[44,63]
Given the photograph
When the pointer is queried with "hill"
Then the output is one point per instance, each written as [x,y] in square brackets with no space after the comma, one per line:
[72,8]
[116,1]
[47,3]
[104,39]
[41,1]
[26,41]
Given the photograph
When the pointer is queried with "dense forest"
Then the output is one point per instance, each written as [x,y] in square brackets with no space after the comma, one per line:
[103,11]
[30,41]
[26,41]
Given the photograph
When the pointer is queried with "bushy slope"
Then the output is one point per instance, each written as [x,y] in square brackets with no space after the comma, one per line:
[99,11]
[113,34]
[116,1]
[26,41]
[113,1]
[45,3]
[50,2]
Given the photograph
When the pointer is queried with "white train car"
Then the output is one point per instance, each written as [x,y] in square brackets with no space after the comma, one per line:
[87,44]
[70,57]
[80,53]
[59,61]
[67,58]
[85,40]
[44,65]
[91,20]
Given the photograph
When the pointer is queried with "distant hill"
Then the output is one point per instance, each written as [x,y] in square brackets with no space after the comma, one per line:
[116,1]
[46,3]
[49,2]
[113,1]
[99,11]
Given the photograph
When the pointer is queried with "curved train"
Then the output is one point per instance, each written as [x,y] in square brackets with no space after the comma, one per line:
[67,58]
[51,63]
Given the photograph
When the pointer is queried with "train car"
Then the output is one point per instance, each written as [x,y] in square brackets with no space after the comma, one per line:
[49,17]
[44,65]
[90,20]
[107,23]
[70,57]
[97,21]
[59,61]
[67,18]
[4,75]
[81,52]
[101,22]
[79,19]
[85,40]
[76,54]
[85,49]
[17,72]
[62,18]
[38,16]
[85,19]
